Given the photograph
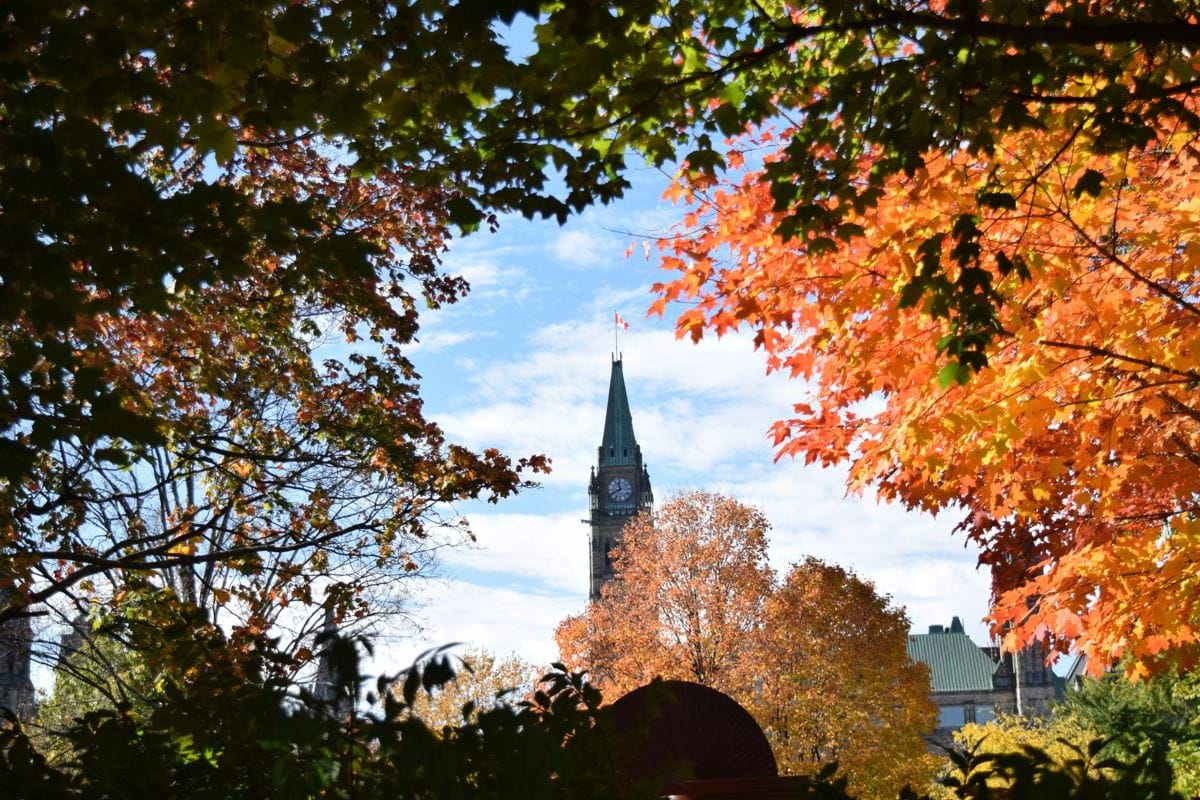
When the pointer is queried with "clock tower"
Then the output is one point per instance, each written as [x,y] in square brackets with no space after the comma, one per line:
[620,484]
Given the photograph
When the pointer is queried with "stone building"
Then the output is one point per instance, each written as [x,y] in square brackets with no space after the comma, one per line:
[16,650]
[973,683]
[620,484]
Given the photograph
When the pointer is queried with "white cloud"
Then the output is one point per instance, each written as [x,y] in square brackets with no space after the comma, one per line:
[482,272]
[695,407]
[582,247]
[435,341]
[545,551]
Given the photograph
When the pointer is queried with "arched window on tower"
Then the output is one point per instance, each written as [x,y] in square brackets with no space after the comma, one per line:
[10,663]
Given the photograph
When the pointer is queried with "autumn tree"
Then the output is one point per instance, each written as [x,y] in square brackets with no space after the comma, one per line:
[220,235]
[833,682]
[289,476]
[819,659]
[481,682]
[689,584]
[1071,459]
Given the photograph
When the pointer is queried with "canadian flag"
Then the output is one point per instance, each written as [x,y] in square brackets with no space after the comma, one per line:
[617,319]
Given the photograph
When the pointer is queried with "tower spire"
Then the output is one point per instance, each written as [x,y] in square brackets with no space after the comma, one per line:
[619,446]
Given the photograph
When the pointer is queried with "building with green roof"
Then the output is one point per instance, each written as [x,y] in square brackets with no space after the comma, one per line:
[973,683]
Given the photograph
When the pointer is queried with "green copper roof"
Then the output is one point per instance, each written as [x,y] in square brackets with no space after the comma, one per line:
[619,447]
[956,664]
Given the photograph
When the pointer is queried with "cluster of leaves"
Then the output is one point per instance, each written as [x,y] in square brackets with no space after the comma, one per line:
[1072,460]
[198,200]
[890,81]
[818,658]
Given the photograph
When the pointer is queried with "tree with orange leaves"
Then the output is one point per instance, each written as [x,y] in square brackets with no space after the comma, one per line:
[690,585]
[1071,459]
[819,659]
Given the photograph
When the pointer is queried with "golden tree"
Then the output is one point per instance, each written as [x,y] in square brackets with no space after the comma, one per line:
[690,581]
[832,681]
[482,682]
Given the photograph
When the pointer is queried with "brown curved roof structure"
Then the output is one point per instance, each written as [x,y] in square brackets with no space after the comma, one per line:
[697,742]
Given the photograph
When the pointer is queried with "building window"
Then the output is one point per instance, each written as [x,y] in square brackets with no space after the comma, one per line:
[951,716]
[985,714]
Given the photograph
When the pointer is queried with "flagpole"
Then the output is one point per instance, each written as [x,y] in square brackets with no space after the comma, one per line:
[616,343]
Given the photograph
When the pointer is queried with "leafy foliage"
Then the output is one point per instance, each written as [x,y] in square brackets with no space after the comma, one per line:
[1071,460]
[199,199]
[95,670]
[818,659]
[1152,719]
[688,589]
[228,724]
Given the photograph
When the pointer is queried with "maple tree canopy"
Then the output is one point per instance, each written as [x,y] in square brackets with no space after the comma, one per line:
[928,188]
[1072,458]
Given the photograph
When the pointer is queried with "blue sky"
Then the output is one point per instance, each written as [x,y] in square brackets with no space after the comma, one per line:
[523,364]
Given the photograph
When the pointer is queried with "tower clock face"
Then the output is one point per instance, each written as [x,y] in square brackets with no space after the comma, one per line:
[619,489]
